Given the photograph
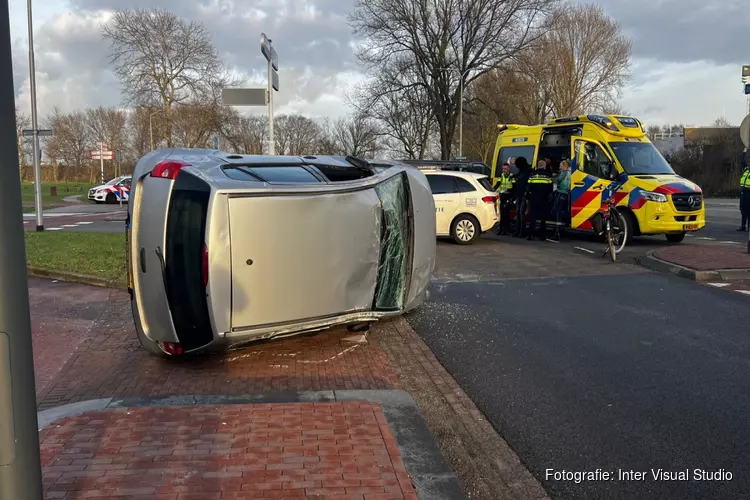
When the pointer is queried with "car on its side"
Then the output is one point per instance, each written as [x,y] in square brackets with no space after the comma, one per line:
[226,249]
[465,204]
[115,191]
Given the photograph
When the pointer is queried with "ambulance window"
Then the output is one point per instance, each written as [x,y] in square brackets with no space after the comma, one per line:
[509,152]
[441,184]
[596,161]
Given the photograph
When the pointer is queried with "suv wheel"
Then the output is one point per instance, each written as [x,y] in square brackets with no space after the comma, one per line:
[465,230]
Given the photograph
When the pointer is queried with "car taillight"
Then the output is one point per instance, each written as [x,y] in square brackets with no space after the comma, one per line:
[168,169]
[490,199]
[172,348]
[204,265]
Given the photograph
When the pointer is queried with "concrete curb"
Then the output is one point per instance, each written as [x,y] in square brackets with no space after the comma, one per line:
[74,277]
[429,471]
[663,266]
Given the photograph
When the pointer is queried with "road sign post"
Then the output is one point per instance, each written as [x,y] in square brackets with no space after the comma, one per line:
[266,48]
[20,465]
[101,154]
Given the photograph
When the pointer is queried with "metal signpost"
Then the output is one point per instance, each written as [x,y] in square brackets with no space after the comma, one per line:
[273,84]
[101,154]
[745,136]
[20,466]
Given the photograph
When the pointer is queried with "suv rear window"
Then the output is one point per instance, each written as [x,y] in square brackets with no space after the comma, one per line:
[485,183]
[282,173]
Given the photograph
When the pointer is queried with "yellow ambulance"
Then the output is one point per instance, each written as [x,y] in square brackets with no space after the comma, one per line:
[610,156]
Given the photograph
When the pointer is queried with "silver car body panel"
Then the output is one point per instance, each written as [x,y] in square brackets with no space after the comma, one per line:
[271,273]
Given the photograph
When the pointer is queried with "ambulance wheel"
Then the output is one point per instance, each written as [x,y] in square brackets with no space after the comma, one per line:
[629,225]
[465,230]
[675,238]
[111,199]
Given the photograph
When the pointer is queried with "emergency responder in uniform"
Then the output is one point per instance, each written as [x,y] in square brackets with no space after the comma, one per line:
[519,189]
[745,193]
[539,192]
[504,188]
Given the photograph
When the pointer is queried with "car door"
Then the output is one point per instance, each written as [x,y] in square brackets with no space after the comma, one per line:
[447,201]
[588,180]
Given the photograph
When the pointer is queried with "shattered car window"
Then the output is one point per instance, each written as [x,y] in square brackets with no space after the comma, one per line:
[394,245]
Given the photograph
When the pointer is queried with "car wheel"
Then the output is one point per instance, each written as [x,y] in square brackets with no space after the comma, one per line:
[111,199]
[630,225]
[675,238]
[465,230]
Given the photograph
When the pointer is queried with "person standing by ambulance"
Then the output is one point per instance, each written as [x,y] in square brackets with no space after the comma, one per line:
[562,198]
[504,188]
[538,192]
[519,189]
[745,192]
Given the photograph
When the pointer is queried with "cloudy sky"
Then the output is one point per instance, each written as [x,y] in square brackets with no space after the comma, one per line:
[687,54]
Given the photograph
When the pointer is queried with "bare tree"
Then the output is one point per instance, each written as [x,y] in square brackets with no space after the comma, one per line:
[162,59]
[139,133]
[722,122]
[108,125]
[71,143]
[588,58]
[296,135]
[195,124]
[437,45]
[355,136]
[245,134]
[23,121]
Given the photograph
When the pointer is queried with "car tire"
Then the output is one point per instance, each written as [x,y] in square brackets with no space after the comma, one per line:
[630,222]
[111,200]
[675,238]
[465,230]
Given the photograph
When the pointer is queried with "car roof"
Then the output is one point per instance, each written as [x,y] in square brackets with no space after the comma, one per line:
[455,173]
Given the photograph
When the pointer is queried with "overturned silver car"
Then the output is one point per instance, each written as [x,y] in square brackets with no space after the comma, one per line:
[225,249]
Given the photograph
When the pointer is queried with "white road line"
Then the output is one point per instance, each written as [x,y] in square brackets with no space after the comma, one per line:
[706,238]
[79,223]
[70,225]
[719,285]
[690,235]
[730,242]
[746,292]
[584,250]
[54,229]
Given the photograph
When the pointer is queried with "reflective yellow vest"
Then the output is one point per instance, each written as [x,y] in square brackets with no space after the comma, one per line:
[505,183]
[540,179]
[745,179]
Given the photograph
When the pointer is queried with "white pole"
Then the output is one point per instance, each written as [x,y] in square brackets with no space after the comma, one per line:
[461,120]
[271,141]
[101,158]
[35,126]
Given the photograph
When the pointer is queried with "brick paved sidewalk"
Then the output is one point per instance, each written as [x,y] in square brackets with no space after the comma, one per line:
[706,257]
[296,450]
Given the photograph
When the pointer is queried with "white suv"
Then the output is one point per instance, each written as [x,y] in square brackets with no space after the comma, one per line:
[465,204]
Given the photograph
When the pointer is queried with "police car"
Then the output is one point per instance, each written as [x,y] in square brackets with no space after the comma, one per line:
[115,191]
[465,204]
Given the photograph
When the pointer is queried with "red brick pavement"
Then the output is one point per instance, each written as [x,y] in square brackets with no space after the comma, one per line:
[299,450]
[706,257]
[111,363]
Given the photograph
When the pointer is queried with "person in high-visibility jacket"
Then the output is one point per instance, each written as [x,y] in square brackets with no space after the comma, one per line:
[745,193]
[504,187]
[538,192]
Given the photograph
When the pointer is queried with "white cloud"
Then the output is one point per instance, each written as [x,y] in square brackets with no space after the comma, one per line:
[688,53]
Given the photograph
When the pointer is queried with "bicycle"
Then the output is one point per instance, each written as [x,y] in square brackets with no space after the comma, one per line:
[614,229]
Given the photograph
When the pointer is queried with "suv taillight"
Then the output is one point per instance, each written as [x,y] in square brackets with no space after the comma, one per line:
[204,265]
[168,169]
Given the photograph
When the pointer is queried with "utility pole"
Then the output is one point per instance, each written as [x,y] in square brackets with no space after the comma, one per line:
[35,126]
[20,465]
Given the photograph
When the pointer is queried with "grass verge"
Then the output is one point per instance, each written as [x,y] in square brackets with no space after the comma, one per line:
[94,254]
[64,189]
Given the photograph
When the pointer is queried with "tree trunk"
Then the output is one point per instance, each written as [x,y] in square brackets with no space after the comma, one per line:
[168,123]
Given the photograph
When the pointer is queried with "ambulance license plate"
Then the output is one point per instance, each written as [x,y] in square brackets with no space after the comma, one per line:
[690,227]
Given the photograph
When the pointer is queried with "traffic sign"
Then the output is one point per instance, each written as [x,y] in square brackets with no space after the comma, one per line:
[102,146]
[118,155]
[747,88]
[244,97]
[268,51]
[745,131]
[99,155]
[41,132]
[275,80]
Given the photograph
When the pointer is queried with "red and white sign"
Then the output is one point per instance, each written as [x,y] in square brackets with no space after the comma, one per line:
[105,155]
[102,146]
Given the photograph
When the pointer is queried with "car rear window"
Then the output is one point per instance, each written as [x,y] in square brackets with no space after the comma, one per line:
[485,183]
[282,174]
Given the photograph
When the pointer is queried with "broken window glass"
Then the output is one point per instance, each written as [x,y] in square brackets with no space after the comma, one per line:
[395,243]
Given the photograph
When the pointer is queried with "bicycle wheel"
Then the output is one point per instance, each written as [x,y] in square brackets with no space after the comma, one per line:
[610,242]
[619,231]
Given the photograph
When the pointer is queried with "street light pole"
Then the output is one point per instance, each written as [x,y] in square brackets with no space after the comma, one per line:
[20,465]
[35,126]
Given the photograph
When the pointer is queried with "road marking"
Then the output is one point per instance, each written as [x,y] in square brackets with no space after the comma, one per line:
[746,292]
[54,229]
[690,235]
[719,285]
[79,223]
[584,249]
[730,242]
[69,225]
[552,241]
[706,238]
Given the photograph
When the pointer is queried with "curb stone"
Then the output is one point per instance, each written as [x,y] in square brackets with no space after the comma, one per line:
[663,266]
[429,471]
[74,277]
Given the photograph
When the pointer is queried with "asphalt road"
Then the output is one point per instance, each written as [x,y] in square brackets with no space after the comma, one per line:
[582,364]
[81,217]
